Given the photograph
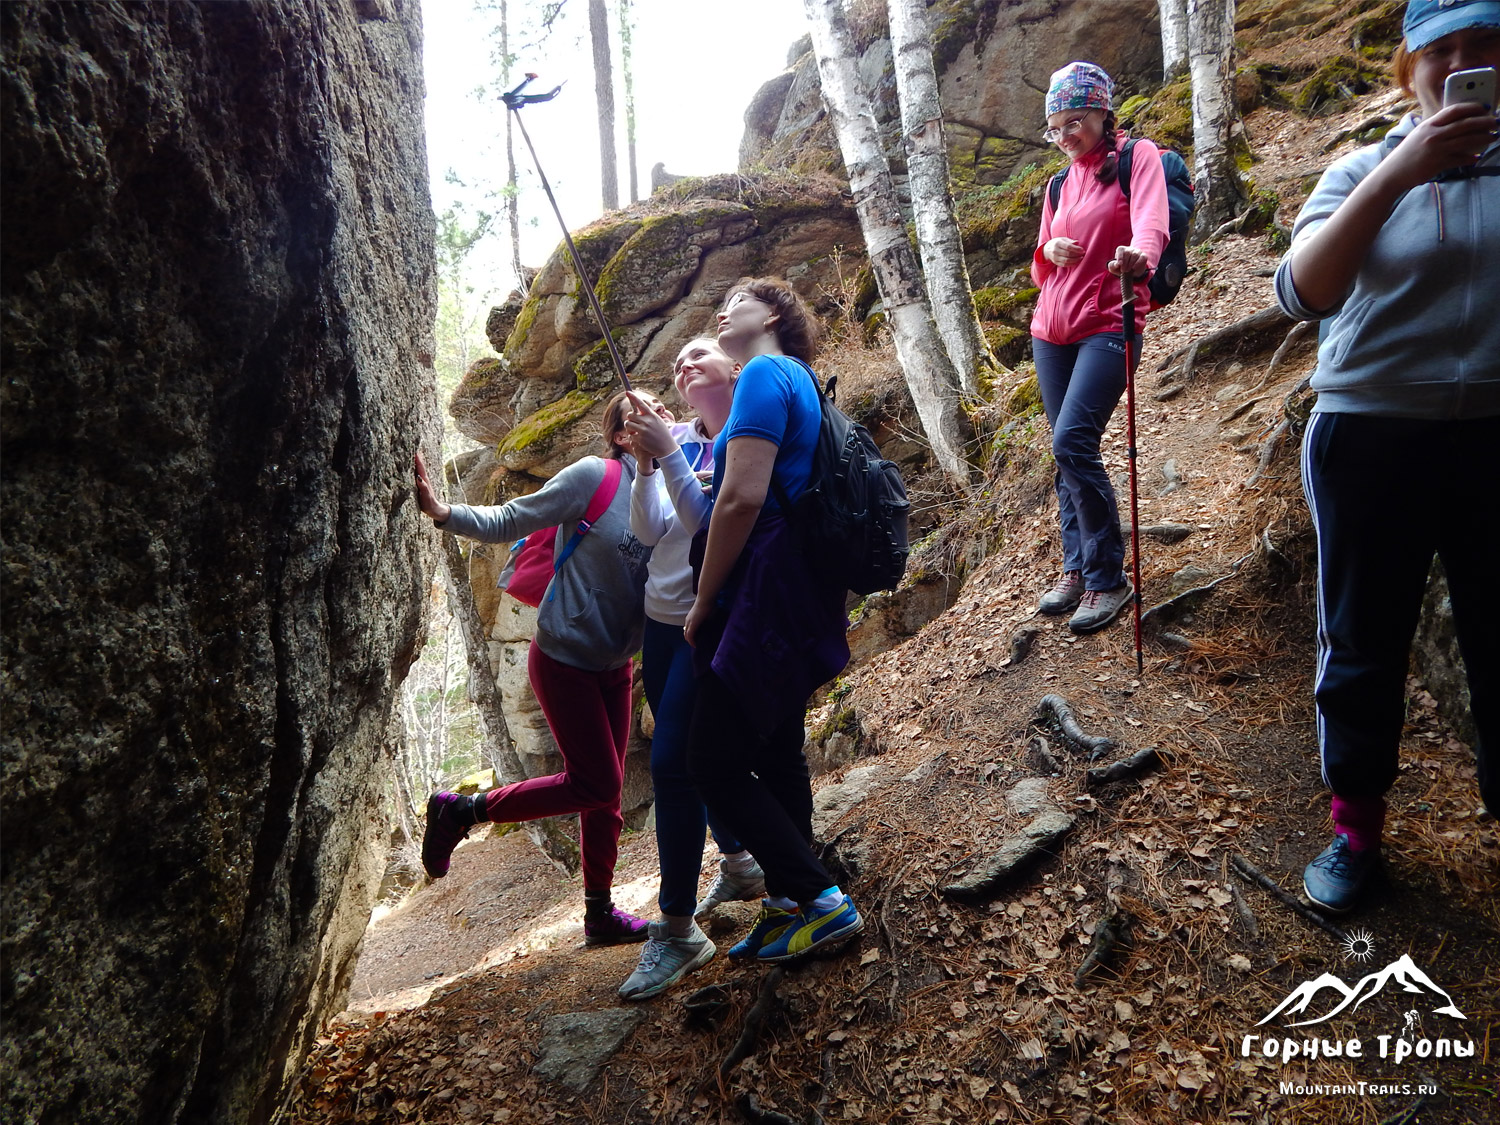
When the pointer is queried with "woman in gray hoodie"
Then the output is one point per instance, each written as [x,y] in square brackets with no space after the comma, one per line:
[589,626]
[1399,248]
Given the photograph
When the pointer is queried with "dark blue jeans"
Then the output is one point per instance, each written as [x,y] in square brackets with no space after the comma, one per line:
[1080,385]
[671,691]
[1386,494]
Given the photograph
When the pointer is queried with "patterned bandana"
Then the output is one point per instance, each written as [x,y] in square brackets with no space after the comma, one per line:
[1079,85]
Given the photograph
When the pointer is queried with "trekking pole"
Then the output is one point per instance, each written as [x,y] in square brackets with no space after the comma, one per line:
[1127,305]
[514,100]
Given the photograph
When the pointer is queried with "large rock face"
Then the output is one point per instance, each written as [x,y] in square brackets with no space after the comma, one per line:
[217,287]
[993,60]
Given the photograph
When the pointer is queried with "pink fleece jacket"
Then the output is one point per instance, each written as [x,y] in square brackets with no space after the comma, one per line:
[1084,299]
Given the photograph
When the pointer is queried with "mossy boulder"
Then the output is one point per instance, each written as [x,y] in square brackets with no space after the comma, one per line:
[1166,116]
[481,403]
[1026,399]
[653,267]
[1333,86]
[1009,343]
[533,439]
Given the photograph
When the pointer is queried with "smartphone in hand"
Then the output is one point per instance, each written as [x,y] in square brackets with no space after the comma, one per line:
[1476,85]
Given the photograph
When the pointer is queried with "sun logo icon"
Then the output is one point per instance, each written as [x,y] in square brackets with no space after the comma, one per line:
[1359,945]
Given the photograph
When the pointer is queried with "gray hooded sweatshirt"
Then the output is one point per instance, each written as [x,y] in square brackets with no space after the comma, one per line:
[1418,336]
[594,613]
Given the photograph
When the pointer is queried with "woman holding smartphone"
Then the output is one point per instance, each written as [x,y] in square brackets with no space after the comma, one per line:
[1399,248]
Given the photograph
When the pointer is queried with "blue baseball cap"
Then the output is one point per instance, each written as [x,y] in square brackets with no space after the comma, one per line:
[1429,20]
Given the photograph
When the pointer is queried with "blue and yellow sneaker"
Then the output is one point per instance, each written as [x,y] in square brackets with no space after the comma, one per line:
[769,924]
[812,929]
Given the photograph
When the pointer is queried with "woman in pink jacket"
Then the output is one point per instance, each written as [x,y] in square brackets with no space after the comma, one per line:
[1078,332]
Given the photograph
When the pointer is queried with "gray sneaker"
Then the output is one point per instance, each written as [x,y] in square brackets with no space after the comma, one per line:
[731,886]
[1099,607]
[1063,596]
[665,960]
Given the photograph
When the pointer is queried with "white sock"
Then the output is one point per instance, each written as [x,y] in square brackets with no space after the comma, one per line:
[738,862]
[679,925]
[781,902]
[828,900]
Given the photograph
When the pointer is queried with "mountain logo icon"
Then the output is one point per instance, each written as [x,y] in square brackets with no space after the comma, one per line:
[1402,971]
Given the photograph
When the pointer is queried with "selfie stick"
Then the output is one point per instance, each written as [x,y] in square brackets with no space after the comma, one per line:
[1127,299]
[514,100]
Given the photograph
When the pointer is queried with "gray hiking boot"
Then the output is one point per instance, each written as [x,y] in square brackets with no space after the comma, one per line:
[1099,607]
[1063,596]
[731,886]
[665,960]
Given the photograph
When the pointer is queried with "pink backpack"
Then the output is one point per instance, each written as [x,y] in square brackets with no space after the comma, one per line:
[532,563]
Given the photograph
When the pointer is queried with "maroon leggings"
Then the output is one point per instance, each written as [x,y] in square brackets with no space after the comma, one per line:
[589,713]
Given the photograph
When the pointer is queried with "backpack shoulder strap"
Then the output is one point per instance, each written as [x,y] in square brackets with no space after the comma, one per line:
[599,503]
[1054,188]
[1126,159]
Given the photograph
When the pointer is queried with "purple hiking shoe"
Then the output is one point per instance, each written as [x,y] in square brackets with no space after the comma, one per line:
[615,928]
[445,811]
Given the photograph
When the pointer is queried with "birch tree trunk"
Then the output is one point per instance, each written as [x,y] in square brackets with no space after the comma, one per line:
[627,80]
[604,94]
[1216,181]
[547,834]
[931,199]
[1174,37]
[930,374]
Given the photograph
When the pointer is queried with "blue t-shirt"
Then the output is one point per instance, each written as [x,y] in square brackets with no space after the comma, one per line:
[775,398]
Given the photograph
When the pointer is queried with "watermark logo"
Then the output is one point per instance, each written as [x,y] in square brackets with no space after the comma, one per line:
[1327,996]
[1403,972]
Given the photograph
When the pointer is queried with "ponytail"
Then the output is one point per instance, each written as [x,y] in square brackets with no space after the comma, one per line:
[1109,170]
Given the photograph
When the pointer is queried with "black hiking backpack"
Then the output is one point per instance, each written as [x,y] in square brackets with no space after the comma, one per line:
[852,515]
[1172,267]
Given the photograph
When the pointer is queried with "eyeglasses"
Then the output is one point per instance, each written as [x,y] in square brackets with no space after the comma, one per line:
[1067,129]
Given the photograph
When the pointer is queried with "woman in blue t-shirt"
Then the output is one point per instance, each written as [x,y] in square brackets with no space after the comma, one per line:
[766,630]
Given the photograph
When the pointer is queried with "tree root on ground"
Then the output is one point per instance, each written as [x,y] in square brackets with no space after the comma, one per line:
[1247,916]
[755,1021]
[1125,768]
[1253,874]
[750,1110]
[1249,326]
[1111,939]
[708,1005]
[1038,746]
[1293,338]
[1188,601]
[1020,644]
[1064,723]
[1290,416]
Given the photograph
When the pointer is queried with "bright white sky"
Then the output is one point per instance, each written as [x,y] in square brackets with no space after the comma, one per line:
[697,64]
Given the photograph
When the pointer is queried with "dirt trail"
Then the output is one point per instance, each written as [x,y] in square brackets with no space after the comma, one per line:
[950,1012]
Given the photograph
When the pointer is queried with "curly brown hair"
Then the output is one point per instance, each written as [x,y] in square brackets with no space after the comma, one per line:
[797,329]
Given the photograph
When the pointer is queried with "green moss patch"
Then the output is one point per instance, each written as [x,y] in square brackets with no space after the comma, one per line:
[1167,116]
[1333,86]
[547,421]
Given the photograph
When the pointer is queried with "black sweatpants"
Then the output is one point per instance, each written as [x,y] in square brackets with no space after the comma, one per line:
[757,787]
[1387,494]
